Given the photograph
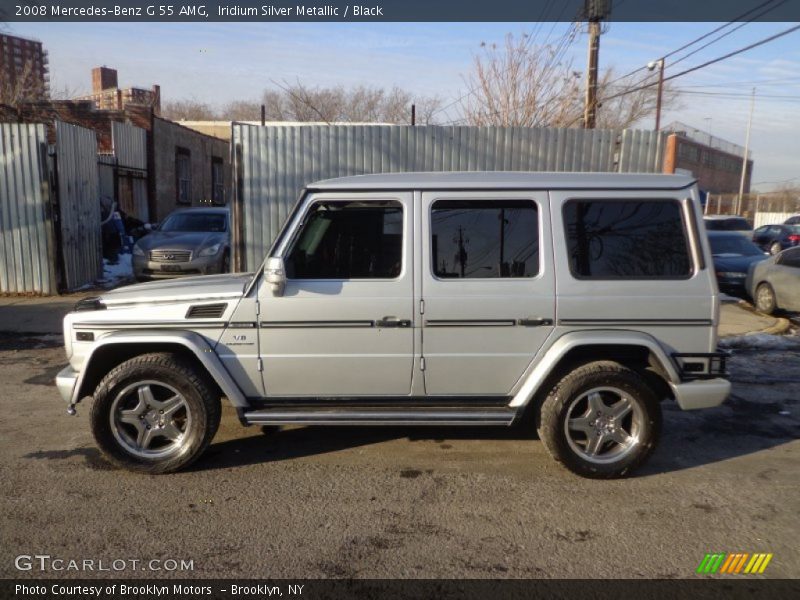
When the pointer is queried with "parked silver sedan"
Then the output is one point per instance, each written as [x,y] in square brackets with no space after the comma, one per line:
[190,241]
[775,283]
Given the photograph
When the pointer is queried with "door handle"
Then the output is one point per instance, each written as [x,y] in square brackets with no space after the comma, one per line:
[534,322]
[392,322]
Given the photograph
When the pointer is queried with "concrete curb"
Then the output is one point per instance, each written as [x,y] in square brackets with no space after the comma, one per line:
[780,326]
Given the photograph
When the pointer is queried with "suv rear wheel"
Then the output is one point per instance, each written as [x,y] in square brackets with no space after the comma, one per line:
[601,420]
[154,413]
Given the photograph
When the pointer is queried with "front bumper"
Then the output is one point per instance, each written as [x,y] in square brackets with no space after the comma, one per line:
[65,382]
[701,393]
[144,268]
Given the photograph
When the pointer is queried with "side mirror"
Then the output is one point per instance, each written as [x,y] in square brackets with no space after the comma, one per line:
[275,275]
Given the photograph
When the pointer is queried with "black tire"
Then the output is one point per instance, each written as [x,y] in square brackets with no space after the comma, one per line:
[775,248]
[200,412]
[765,299]
[575,389]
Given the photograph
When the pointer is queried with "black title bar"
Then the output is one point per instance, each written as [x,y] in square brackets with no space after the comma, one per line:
[398,10]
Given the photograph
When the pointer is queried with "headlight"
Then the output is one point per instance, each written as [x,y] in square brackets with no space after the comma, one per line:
[210,251]
[137,251]
[731,274]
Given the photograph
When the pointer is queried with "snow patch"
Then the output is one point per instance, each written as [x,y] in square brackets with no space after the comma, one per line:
[118,274]
[727,298]
[763,341]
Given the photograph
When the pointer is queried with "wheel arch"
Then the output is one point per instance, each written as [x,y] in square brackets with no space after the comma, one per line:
[115,348]
[636,350]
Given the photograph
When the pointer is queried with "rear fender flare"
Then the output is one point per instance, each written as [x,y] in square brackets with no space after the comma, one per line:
[552,357]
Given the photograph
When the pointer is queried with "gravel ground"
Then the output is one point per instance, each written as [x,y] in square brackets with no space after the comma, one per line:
[403,502]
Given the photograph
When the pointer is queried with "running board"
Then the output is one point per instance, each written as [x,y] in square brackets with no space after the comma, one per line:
[381,416]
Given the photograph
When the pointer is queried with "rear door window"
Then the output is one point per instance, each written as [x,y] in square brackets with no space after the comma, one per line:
[475,239]
[627,239]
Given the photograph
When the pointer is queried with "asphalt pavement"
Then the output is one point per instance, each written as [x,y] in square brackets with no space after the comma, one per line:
[401,502]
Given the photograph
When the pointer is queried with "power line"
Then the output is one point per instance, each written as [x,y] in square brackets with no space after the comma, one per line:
[727,33]
[708,63]
[705,35]
[738,95]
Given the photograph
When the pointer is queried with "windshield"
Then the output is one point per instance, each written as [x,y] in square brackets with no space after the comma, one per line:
[211,222]
[727,225]
[733,244]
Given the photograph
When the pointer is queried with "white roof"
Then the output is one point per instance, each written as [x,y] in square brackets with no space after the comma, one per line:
[506,180]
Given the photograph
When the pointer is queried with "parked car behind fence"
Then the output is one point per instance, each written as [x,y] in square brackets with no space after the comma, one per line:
[733,256]
[728,223]
[774,238]
[190,241]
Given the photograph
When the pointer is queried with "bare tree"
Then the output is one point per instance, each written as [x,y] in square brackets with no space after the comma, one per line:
[630,99]
[25,86]
[241,110]
[299,102]
[523,84]
[188,110]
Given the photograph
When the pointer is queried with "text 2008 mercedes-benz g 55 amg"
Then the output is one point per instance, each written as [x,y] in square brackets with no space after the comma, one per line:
[579,300]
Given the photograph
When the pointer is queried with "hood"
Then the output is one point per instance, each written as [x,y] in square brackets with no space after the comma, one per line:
[736,262]
[181,240]
[187,289]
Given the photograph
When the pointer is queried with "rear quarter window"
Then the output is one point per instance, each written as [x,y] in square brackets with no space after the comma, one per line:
[626,239]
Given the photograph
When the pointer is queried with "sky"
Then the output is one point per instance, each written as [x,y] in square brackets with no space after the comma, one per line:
[221,62]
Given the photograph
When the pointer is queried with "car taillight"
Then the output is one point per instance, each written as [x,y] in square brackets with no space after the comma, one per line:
[794,238]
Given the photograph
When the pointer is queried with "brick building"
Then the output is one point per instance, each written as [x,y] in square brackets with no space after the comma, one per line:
[23,58]
[107,95]
[189,168]
[184,167]
[716,163]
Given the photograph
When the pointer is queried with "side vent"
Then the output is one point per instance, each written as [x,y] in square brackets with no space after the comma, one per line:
[206,311]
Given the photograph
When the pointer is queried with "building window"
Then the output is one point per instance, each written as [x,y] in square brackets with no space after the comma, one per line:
[183,176]
[217,181]
[484,239]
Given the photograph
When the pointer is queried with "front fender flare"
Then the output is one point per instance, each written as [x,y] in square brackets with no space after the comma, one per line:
[569,341]
[190,340]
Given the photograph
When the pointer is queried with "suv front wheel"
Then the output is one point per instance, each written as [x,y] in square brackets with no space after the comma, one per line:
[154,413]
[601,420]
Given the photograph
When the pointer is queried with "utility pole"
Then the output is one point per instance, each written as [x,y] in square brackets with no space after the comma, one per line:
[596,11]
[746,151]
[660,94]
[413,114]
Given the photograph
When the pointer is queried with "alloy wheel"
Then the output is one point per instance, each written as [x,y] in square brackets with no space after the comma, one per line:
[604,424]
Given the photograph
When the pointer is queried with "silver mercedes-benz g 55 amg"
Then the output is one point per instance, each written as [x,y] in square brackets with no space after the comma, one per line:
[573,303]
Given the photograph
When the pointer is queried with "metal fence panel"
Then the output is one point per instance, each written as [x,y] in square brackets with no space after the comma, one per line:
[79,205]
[26,233]
[273,163]
[770,218]
[130,145]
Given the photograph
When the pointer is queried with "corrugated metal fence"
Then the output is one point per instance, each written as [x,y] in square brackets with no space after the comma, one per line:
[273,163]
[130,145]
[770,218]
[78,204]
[27,252]
[130,150]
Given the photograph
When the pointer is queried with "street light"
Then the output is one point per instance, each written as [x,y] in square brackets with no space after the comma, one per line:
[651,66]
